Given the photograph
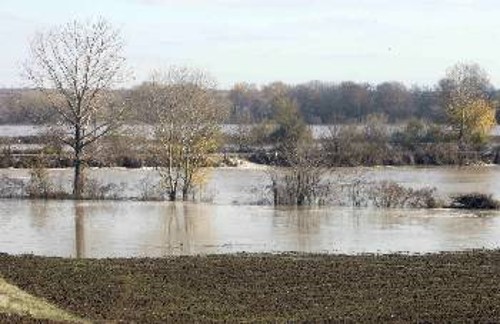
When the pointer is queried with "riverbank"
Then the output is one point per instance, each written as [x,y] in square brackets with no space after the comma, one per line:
[253,287]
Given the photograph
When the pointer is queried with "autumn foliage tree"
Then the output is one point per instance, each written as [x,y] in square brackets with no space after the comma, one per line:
[465,95]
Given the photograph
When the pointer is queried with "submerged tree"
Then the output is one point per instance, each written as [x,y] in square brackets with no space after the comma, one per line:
[300,181]
[465,94]
[188,115]
[74,66]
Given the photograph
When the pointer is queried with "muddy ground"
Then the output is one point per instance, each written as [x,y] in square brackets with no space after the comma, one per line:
[245,287]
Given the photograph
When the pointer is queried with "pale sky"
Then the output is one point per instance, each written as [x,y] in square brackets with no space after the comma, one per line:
[259,41]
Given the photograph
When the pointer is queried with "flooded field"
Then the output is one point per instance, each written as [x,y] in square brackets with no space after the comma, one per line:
[234,222]
[318,131]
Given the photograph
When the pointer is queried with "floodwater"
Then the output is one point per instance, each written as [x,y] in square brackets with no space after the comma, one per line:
[234,222]
[318,131]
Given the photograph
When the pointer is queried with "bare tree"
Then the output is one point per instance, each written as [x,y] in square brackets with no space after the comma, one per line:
[74,66]
[188,118]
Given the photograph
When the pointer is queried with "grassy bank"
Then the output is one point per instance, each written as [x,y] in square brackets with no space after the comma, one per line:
[18,306]
[437,288]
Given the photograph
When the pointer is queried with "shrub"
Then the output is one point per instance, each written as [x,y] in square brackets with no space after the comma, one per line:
[150,189]
[40,186]
[388,194]
[474,201]
[96,190]
[11,187]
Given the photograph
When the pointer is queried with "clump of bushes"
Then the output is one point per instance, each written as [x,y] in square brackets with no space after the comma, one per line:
[389,194]
[299,187]
[94,189]
[40,186]
[11,187]
[150,190]
[474,201]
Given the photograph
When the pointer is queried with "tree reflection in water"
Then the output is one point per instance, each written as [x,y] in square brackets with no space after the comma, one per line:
[186,229]
[79,210]
[156,229]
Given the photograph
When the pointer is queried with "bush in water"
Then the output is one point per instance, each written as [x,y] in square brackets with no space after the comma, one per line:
[474,201]
[389,194]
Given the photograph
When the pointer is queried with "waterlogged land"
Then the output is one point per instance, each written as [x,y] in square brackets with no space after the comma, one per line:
[318,131]
[369,288]
[249,184]
[231,220]
[206,281]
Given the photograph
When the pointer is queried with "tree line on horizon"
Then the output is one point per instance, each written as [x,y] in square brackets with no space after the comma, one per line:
[319,102]
[346,102]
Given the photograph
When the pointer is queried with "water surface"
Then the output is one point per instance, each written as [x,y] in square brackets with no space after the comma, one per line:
[318,131]
[232,222]
[133,229]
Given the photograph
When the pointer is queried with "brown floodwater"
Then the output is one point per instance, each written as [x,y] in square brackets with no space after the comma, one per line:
[232,221]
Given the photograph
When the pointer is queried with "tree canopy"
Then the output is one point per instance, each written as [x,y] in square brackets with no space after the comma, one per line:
[75,66]
[466,95]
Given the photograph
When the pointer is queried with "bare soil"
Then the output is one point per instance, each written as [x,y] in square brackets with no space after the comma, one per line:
[446,287]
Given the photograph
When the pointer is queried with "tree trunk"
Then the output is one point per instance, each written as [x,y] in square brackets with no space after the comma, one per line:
[77,181]
[299,197]
[300,200]
[188,175]
[77,164]
[275,193]
[172,195]
[79,230]
[185,194]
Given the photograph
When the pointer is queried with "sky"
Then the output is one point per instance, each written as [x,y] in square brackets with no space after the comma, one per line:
[260,41]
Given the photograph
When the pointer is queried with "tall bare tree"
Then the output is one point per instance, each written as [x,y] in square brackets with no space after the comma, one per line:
[75,66]
[188,115]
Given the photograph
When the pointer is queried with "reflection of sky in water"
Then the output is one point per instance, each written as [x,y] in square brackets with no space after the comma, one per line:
[130,229]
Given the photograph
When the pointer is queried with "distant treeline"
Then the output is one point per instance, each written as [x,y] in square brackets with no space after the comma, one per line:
[318,102]
[346,102]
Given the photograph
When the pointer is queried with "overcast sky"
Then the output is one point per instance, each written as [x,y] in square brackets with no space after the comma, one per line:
[258,41]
